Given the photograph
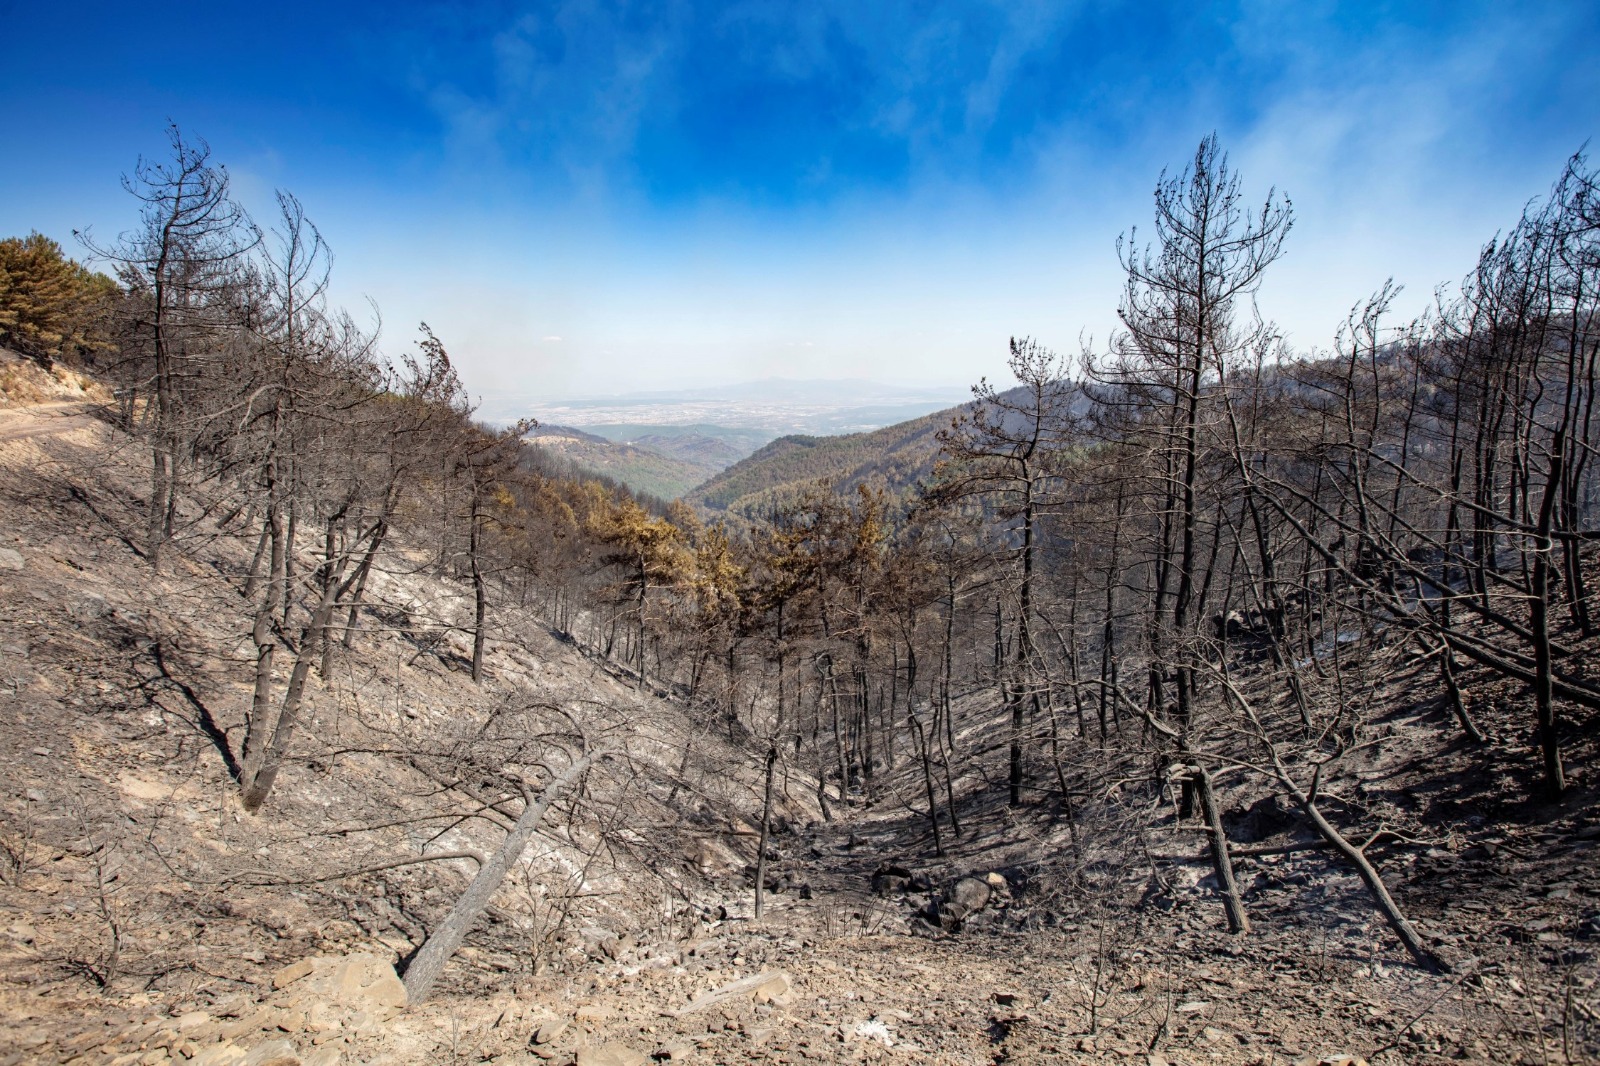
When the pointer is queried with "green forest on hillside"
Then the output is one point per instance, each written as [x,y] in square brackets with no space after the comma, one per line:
[778,475]
[641,468]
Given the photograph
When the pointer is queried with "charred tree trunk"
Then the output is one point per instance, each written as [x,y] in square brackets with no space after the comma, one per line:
[766,822]
[430,960]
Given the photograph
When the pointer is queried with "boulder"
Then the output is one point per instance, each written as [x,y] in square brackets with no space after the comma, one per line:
[970,893]
[959,902]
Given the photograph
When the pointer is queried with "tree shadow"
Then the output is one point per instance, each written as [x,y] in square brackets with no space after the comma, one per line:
[203,717]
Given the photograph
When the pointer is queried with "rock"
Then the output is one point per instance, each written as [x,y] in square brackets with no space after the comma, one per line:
[193,1020]
[775,990]
[366,982]
[610,1055]
[591,1012]
[889,879]
[769,987]
[550,1031]
[272,1053]
[292,973]
[677,1051]
[224,1054]
[971,894]
[11,559]
[250,1023]
[327,1056]
[874,1030]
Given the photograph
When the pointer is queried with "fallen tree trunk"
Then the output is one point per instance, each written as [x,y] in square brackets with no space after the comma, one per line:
[1306,800]
[1221,861]
[430,960]
[1369,875]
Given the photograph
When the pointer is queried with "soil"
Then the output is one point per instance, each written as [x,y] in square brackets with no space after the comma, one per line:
[134,892]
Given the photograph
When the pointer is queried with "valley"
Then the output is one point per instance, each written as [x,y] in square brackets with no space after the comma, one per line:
[774,442]
[144,918]
[1189,700]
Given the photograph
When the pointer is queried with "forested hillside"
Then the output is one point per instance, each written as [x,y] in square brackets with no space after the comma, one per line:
[642,467]
[1194,697]
[894,458]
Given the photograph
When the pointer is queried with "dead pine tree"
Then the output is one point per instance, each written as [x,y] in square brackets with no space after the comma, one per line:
[1003,449]
[1186,315]
[181,266]
[771,762]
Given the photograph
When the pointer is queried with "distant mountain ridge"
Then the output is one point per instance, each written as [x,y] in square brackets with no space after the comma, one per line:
[896,457]
[696,442]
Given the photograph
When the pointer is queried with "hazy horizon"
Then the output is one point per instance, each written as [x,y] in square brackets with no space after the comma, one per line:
[778,406]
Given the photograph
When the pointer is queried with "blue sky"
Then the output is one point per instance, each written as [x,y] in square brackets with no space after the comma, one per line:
[692,193]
